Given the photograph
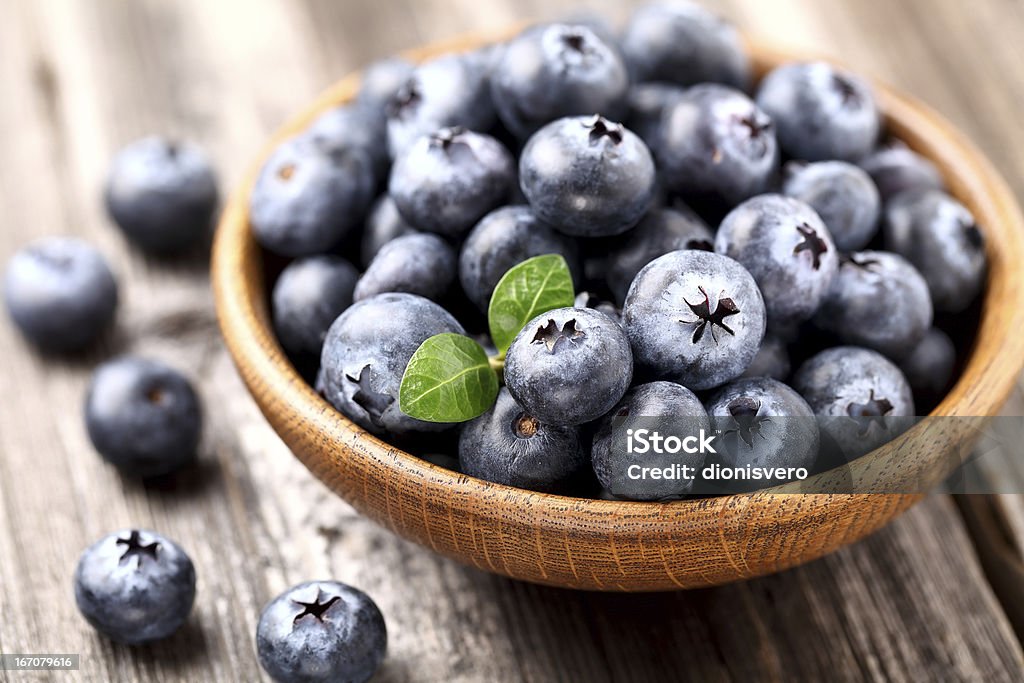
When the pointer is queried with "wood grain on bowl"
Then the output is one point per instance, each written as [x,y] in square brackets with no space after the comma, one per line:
[630,546]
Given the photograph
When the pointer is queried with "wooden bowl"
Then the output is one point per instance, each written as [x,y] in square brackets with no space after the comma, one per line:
[630,546]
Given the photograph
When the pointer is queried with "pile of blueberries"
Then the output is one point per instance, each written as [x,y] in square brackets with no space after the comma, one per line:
[816,296]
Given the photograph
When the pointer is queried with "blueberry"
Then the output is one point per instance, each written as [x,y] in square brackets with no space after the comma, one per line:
[842,195]
[446,181]
[142,416]
[365,354]
[507,445]
[321,631]
[694,317]
[660,231]
[683,43]
[351,126]
[860,395]
[646,103]
[135,586]
[381,81]
[308,295]
[772,360]
[763,423]
[504,238]
[939,236]
[308,197]
[452,90]
[896,168]
[162,194]
[383,224]
[553,71]
[929,367]
[418,264]
[665,407]
[569,366]
[878,301]
[60,293]
[716,145]
[788,250]
[587,176]
[820,112]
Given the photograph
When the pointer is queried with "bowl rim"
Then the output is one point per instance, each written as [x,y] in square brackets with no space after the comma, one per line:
[241,303]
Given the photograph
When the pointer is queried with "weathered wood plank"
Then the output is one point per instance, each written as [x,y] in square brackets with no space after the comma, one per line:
[79,79]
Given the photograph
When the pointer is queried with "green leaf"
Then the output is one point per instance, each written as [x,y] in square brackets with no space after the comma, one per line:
[448,379]
[535,286]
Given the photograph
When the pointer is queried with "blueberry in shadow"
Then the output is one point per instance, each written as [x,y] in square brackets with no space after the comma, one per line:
[590,300]
[508,445]
[162,194]
[861,398]
[421,264]
[365,354]
[940,237]
[843,195]
[879,301]
[381,80]
[569,366]
[452,90]
[929,367]
[351,126]
[135,586]
[664,407]
[772,359]
[646,102]
[896,168]
[502,239]
[716,145]
[321,631]
[142,416]
[694,317]
[587,176]
[684,43]
[447,181]
[552,71]
[787,249]
[308,197]
[660,231]
[309,295]
[762,423]
[60,293]
[382,225]
[820,112]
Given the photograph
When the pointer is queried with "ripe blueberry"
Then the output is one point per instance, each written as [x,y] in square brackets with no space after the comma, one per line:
[352,126]
[664,407]
[587,176]
[788,250]
[556,70]
[421,264]
[142,416]
[694,317]
[896,168]
[60,293]
[162,194]
[929,367]
[365,354]
[383,224]
[842,194]
[321,631]
[569,366]
[446,181]
[504,238]
[507,445]
[308,197]
[135,586]
[381,81]
[820,112]
[716,145]
[308,295]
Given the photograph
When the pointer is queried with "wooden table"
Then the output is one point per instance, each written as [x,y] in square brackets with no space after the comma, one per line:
[930,597]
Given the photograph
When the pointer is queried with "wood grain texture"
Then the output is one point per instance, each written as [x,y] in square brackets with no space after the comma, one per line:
[78,79]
